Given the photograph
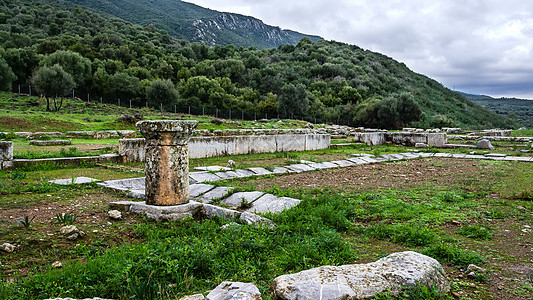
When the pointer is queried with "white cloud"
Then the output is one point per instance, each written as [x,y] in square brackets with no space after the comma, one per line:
[479,46]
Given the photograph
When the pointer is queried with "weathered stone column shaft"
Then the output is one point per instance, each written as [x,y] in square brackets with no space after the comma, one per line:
[167,160]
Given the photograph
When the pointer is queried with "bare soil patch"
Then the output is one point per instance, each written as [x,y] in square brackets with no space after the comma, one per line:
[401,175]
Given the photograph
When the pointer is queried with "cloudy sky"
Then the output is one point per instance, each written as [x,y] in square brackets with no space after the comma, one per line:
[476,46]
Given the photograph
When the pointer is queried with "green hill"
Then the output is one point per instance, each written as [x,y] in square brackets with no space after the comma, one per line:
[515,108]
[319,81]
[193,23]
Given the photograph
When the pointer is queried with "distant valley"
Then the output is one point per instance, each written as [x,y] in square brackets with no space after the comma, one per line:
[513,107]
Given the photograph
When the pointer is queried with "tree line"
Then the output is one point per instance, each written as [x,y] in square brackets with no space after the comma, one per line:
[56,47]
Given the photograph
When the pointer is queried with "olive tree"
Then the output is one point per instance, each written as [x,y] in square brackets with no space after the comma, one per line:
[161,92]
[6,76]
[53,83]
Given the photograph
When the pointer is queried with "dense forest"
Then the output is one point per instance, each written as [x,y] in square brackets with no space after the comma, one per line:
[57,49]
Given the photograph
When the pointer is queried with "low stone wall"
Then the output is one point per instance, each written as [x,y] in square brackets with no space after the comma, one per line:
[50,142]
[6,154]
[97,135]
[19,163]
[403,138]
[133,150]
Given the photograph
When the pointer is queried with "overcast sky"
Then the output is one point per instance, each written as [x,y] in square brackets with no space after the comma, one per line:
[480,47]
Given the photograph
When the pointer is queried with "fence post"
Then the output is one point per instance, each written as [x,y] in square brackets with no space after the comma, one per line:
[174,108]
[216,112]
[73,94]
[189,109]
[146,103]
[203,110]
[130,103]
[229,114]
[29,86]
[255,116]
[19,89]
[118,101]
[242,115]
[101,100]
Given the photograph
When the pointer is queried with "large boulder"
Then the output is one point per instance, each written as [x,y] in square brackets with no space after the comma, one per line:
[363,281]
[484,144]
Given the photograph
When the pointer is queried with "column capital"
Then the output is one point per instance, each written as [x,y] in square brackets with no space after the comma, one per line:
[166,132]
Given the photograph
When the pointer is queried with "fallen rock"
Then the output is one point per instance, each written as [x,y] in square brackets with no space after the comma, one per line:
[228,290]
[363,281]
[253,219]
[231,164]
[71,232]
[115,214]
[475,269]
[7,247]
[485,144]
[57,264]
[421,145]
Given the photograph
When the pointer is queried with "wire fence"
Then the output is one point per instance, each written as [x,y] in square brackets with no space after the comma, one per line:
[221,113]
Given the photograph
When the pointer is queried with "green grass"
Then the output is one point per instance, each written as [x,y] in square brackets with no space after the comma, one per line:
[475,232]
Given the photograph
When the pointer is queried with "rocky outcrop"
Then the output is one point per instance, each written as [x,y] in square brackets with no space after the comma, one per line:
[364,281]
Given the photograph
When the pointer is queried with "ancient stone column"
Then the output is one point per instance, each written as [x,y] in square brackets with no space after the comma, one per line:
[167,160]
[6,153]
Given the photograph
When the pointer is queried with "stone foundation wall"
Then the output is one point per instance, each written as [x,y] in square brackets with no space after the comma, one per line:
[402,138]
[133,150]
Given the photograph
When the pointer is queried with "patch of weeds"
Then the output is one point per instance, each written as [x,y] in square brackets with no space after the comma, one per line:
[244,204]
[26,222]
[66,218]
[481,277]
[524,196]
[289,155]
[494,213]
[403,234]
[450,197]
[475,232]
[270,168]
[453,255]
[18,176]
[417,292]
[144,290]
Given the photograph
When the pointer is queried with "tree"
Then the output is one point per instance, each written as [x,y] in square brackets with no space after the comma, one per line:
[6,76]
[161,92]
[53,82]
[293,100]
[73,63]
[407,110]
[125,86]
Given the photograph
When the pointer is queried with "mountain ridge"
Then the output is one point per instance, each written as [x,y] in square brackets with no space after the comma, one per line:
[194,23]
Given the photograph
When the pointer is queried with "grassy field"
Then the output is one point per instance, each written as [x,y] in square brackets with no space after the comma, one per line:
[471,212]
[459,212]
